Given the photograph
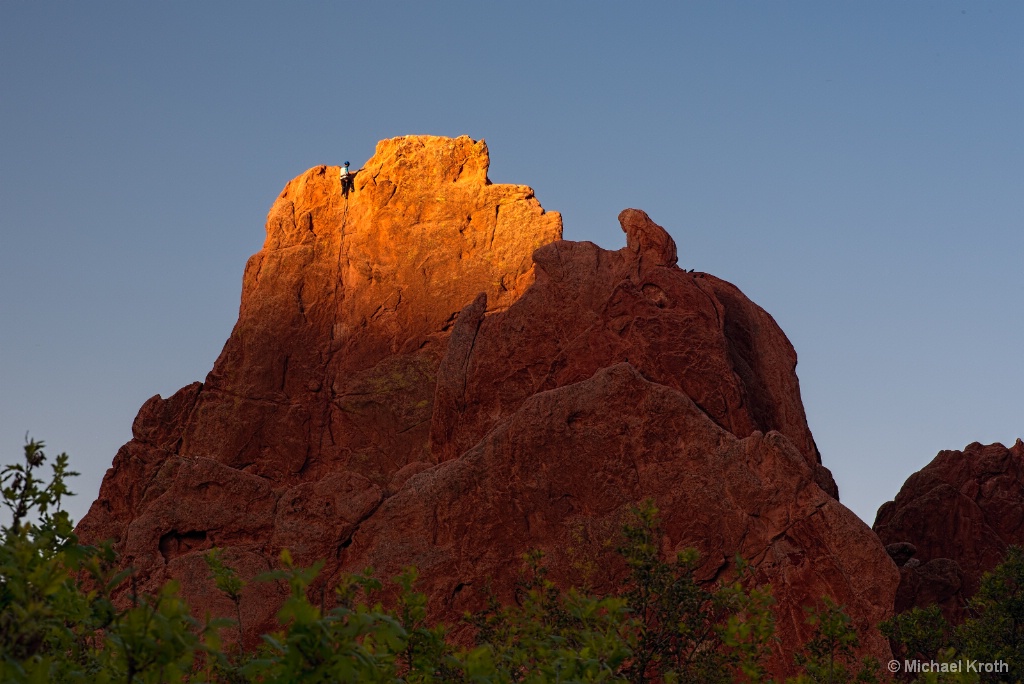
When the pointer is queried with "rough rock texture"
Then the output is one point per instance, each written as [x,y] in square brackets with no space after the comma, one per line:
[959,513]
[324,391]
[591,308]
[562,469]
[355,415]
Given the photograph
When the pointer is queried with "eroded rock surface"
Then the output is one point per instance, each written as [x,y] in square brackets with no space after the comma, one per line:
[959,513]
[324,391]
[424,373]
[561,471]
[591,308]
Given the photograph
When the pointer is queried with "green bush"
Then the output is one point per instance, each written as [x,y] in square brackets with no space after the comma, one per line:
[995,629]
[57,620]
[918,634]
[992,633]
[829,656]
[680,630]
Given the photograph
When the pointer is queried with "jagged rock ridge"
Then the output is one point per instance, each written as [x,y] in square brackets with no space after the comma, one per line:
[952,521]
[423,372]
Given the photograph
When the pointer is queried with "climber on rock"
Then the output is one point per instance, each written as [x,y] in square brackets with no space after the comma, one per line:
[346,180]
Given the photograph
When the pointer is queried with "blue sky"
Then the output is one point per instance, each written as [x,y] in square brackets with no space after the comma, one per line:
[856,168]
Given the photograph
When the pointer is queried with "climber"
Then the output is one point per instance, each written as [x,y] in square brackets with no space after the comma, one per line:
[346,180]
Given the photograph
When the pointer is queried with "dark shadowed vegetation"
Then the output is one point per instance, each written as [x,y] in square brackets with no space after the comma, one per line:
[60,623]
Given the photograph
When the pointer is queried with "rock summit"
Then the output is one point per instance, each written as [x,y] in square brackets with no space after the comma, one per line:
[423,372]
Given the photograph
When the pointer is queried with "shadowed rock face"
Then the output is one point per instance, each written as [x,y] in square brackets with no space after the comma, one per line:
[591,308]
[355,415]
[959,513]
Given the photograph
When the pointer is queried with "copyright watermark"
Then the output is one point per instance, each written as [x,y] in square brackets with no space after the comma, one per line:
[925,666]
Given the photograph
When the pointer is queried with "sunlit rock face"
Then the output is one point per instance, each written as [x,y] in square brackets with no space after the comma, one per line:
[424,373]
[955,517]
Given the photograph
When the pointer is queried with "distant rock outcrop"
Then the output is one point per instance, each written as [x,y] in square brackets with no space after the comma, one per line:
[424,373]
[957,515]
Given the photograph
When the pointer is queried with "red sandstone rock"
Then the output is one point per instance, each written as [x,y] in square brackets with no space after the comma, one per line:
[561,472]
[591,308]
[356,416]
[344,318]
[327,379]
[964,508]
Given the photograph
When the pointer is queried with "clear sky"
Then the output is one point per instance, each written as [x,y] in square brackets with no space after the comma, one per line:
[856,168]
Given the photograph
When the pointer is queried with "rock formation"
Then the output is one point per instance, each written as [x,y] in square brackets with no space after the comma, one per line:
[424,373]
[952,522]
[591,308]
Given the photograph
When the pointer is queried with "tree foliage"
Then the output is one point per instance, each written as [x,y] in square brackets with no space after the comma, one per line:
[994,632]
[829,657]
